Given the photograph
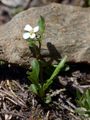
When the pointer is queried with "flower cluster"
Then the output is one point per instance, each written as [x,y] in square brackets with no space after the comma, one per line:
[30,32]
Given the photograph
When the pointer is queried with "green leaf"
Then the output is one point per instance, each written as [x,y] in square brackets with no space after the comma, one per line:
[33,88]
[89,2]
[78,94]
[81,110]
[84,102]
[41,93]
[2,62]
[31,43]
[41,24]
[55,73]
[48,99]
[88,98]
[34,74]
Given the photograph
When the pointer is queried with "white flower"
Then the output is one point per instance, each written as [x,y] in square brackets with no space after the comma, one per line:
[30,32]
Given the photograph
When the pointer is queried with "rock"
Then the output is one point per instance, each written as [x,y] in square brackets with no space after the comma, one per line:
[15,3]
[67,33]
[69,2]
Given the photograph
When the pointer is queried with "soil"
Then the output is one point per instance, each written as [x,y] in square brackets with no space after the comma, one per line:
[18,103]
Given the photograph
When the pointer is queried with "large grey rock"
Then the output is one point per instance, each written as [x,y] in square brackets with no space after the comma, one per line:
[67,33]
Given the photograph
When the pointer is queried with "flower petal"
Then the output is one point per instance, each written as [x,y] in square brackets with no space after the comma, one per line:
[28,28]
[32,36]
[26,35]
[36,29]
